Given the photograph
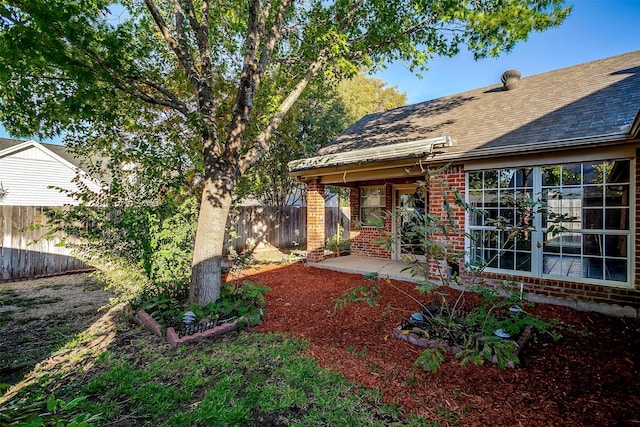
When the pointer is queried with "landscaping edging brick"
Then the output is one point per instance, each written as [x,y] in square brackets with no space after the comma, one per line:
[143,319]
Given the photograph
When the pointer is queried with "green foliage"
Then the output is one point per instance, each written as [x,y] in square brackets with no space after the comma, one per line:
[52,412]
[430,359]
[237,301]
[362,95]
[175,94]
[337,243]
[245,300]
[368,292]
[448,317]
[171,246]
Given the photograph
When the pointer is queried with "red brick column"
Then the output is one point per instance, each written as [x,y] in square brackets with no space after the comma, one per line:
[454,179]
[315,221]
[354,203]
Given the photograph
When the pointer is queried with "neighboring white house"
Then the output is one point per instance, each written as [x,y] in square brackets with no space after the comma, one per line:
[29,170]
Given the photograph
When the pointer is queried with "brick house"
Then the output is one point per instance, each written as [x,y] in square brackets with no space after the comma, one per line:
[570,137]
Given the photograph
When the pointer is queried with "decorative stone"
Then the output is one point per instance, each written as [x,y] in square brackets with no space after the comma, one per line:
[150,323]
[172,337]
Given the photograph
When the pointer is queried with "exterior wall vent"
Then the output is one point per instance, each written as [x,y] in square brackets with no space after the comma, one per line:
[510,79]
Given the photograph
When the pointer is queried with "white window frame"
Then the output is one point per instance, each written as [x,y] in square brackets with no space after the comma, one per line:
[538,235]
[381,203]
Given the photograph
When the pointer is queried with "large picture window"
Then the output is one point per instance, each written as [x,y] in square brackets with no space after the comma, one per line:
[372,204]
[588,203]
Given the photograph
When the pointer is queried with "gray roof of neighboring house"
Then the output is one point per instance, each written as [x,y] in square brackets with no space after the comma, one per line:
[594,101]
[59,150]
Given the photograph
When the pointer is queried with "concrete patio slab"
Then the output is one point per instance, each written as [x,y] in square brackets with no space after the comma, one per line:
[385,268]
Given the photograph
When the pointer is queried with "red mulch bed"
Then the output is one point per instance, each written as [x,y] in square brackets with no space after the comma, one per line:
[581,380]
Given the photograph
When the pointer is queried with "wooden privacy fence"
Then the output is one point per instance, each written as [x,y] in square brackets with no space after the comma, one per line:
[280,227]
[24,253]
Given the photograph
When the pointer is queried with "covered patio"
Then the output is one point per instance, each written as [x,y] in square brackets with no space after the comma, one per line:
[385,268]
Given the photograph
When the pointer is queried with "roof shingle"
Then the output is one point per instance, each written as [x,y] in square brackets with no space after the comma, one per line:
[570,104]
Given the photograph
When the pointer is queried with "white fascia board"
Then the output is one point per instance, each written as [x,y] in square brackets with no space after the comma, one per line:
[37,145]
[395,151]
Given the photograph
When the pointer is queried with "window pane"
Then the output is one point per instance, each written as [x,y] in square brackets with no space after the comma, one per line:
[523,261]
[551,176]
[507,178]
[617,219]
[615,246]
[475,198]
[593,268]
[551,243]
[615,269]
[372,216]
[475,240]
[617,195]
[592,244]
[523,242]
[491,204]
[490,239]
[475,180]
[571,174]
[570,266]
[571,243]
[476,219]
[551,264]
[524,177]
[592,219]
[491,258]
[506,241]
[618,171]
[508,215]
[507,260]
[490,179]
[372,196]
[491,199]
[593,173]
[593,196]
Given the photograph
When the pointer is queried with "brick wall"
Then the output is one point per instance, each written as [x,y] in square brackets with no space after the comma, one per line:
[567,290]
[363,238]
[442,188]
[315,221]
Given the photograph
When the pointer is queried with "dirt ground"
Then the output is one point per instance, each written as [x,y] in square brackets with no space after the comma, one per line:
[38,316]
[590,378]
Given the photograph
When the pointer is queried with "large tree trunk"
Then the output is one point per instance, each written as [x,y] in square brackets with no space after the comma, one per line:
[207,254]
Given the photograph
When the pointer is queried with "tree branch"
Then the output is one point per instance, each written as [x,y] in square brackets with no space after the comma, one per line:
[409,31]
[201,32]
[275,33]
[247,87]
[261,145]
[181,51]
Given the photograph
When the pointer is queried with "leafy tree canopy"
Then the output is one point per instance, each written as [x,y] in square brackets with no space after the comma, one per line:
[168,76]
[319,116]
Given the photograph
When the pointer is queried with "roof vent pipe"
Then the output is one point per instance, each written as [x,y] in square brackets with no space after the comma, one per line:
[510,79]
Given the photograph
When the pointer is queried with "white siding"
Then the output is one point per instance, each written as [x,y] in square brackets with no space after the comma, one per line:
[26,176]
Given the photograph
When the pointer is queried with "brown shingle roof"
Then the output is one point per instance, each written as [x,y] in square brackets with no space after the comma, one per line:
[573,105]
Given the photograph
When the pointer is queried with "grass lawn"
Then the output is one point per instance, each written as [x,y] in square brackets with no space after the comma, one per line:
[117,374]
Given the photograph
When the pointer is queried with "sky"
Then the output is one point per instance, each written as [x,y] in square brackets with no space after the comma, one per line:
[595,29]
